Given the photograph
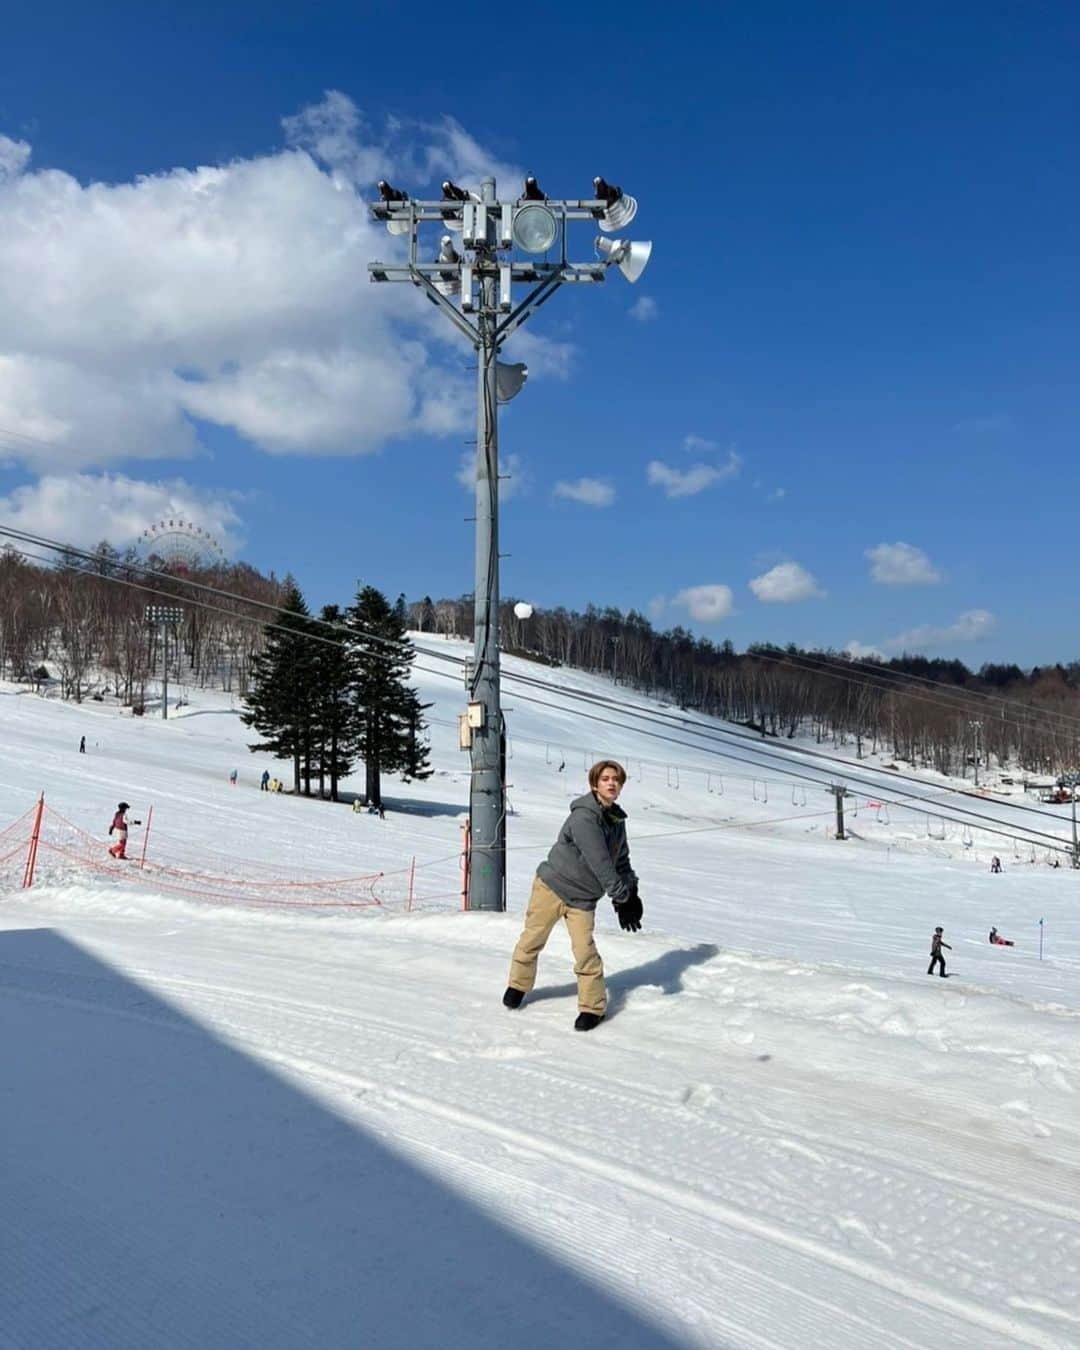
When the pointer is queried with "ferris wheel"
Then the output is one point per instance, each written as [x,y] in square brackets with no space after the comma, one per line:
[180,546]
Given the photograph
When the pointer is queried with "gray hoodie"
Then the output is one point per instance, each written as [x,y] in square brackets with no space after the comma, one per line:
[590,856]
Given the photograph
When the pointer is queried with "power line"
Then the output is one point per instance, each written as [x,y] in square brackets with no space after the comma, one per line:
[773,753]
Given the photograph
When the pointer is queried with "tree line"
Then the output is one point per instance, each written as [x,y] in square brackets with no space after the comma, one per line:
[1000,713]
[83,625]
[318,699]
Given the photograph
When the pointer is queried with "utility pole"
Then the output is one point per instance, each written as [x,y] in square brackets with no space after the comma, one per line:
[1072,782]
[487,796]
[976,727]
[164,616]
[615,671]
[493,235]
[839,792]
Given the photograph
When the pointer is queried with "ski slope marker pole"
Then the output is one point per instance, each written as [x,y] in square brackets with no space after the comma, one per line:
[31,854]
[412,880]
[146,837]
[1040,938]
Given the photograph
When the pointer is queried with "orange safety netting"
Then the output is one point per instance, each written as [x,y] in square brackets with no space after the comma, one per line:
[45,846]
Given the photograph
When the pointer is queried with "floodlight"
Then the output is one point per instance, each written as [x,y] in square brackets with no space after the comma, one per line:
[534,228]
[629,255]
[532,191]
[621,209]
[448,283]
[509,380]
[453,193]
[393,195]
[523,610]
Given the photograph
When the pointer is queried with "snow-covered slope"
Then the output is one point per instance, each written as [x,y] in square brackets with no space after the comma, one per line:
[233,1126]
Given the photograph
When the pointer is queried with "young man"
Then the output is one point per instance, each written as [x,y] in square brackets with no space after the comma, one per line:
[936,957]
[589,858]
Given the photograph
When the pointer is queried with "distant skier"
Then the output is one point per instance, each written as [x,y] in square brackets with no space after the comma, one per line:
[119,828]
[264,782]
[233,777]
[999,941]
[936,958]
[82,745]
[995,864]
[357,806]
[590,857]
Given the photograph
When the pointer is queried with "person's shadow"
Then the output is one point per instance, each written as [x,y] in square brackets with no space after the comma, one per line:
[665,972]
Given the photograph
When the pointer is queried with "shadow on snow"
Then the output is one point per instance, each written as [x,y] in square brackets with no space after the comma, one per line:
[163,1189]
[665,972]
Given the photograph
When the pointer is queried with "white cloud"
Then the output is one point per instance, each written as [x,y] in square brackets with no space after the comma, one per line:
[644,309]
[83,509]
[901,565]
[689,482]
[656,606]
[14,157]
[237,294]
[971,626]
[858,650]
[706,603]
[777,495]
[587,491]
[514,478]
[698,445]
[785,584]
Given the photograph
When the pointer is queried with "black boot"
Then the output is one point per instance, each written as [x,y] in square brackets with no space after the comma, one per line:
[512,998]
[586,1021]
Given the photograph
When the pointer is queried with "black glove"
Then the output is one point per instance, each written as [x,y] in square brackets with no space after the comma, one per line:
[629,912]
[136,822]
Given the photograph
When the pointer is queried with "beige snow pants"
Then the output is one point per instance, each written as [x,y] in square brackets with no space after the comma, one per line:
[544,912]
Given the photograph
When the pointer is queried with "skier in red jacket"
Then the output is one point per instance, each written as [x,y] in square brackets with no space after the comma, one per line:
[119,828]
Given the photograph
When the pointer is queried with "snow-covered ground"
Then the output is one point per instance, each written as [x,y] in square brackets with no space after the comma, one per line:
[232,1125]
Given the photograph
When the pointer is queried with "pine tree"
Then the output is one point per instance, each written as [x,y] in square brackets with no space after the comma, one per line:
[335,721]
[389,713]
[279,703]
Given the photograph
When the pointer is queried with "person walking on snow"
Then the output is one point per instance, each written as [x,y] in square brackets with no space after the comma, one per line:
[936,958]
[119,828]
[82,745]
[590,858]
[264,782]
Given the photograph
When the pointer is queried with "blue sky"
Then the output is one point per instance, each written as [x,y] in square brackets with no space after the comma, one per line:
[839,407]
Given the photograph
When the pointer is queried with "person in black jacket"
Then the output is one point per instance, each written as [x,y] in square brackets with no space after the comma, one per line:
[936,958]
[590,858]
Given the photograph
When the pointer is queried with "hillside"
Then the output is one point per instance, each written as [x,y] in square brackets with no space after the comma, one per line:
[315,1125]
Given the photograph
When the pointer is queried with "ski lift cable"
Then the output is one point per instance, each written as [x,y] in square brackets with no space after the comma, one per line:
[641,714]
[901,800]
[773,754]
[774,751]
[459,662]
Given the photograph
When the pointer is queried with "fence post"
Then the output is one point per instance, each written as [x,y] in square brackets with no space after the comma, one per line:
[146,838]
[31,853]
[412,880]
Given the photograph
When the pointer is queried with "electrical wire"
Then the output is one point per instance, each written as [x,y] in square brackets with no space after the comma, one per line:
[641,714]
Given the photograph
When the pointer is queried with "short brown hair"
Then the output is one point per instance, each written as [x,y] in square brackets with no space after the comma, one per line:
[599,767]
